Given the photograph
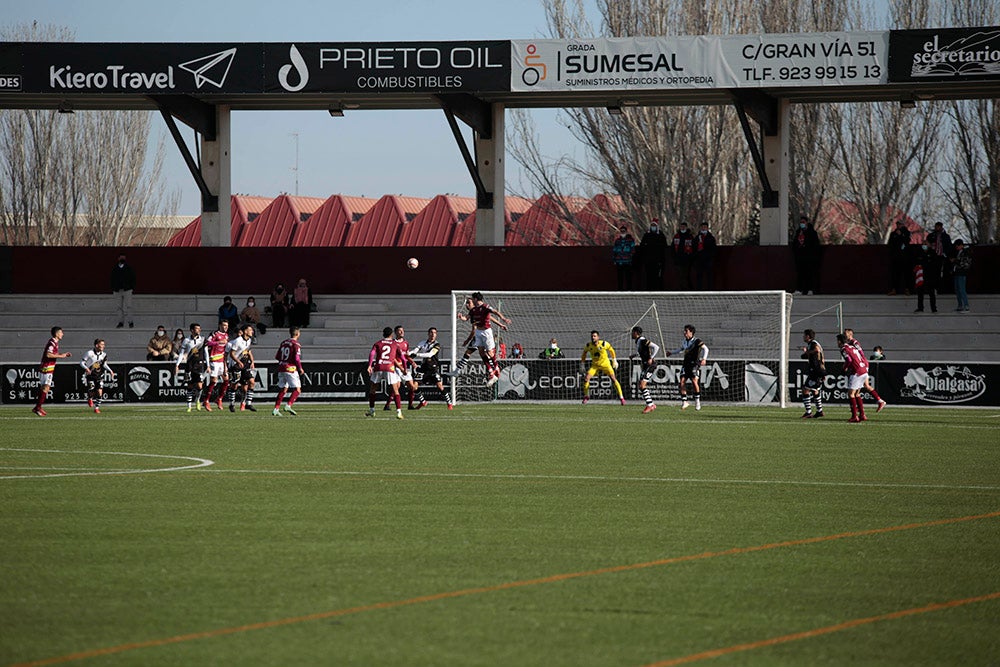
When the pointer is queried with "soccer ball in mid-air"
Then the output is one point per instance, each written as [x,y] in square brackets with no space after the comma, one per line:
[412,262]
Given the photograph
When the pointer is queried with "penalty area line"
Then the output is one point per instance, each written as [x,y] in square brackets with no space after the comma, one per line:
[818,632]
[505,586]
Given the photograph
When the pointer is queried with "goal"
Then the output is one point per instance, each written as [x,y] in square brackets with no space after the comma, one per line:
[746,333]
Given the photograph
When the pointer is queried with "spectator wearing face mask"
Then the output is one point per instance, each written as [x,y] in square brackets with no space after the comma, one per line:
[622,253]
[279,305]
[159,347]
[301,304]
[552,351]
[122,285]
[652,251]
[176,344]
[250,315]
[229,312]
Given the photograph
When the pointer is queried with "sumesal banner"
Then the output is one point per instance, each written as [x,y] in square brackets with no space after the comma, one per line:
[664,63]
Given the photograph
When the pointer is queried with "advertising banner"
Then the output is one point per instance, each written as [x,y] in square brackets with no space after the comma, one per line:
[159,69]
[945,54]
[665,63]
[387,67]
[935,384]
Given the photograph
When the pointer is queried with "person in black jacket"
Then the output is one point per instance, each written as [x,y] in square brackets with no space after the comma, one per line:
[652,251]
[806,251]
[122,285]
[900,273]
[704,258]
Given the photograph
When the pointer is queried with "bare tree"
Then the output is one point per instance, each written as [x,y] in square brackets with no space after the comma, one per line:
[688,163]
[885,154]
[972,171]
[85,178]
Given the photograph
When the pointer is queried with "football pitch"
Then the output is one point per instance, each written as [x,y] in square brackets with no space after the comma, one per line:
[499,535]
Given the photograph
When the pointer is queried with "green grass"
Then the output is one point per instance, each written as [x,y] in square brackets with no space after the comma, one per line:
[330,511]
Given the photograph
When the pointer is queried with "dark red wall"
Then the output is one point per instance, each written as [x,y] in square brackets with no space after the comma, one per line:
[243,271]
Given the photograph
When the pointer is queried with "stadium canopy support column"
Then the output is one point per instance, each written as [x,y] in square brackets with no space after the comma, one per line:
[774,218]
[216,168]
[490,164]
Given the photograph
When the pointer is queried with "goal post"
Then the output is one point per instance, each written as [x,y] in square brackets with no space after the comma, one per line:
[747,335]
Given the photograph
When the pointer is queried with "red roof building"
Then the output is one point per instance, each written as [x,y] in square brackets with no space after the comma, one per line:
[277,224]
[243,209]
[514,208]
[383,224]
[328,225]
[543,223]
[437,223]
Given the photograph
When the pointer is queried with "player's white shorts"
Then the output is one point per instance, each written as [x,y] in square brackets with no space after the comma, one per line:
[390,377]
[216,369]
[406,377]
[289,380]
[857,381]
[484,338]
[45,379]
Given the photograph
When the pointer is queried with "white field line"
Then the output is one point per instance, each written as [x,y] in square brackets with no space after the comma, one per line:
[602,478]
[199,463]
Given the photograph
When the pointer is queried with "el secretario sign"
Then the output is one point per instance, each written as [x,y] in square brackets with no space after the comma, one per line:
[663,63]
[946,54]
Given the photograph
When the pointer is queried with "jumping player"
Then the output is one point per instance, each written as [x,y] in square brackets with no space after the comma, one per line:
[47,367]
[482,315]
[385,362]
[646,350]
[426,357]
[289,356]
[602,360]
[695,355]
[239,358]
[94,363]
[192,357]
[812,393]
[215,346]
[857,366]
[853,342]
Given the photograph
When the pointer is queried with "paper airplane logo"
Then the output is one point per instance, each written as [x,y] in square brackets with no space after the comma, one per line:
[212,69]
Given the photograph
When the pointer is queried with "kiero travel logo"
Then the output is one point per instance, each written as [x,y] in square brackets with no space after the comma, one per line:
[210,70]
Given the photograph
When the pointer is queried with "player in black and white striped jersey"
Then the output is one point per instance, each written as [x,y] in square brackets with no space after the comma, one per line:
[94,363]
[646,351]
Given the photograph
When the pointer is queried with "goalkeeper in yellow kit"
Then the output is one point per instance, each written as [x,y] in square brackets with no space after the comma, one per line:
[602,360]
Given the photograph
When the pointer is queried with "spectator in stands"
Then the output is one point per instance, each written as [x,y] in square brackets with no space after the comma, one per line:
[552,351]
[122,285]
[704,258]
[925,277]
[176,344]
[806,251]
[900,275]
[250,315]
[279,305]
[878,354]
[159,347]
[302,302]
[517,352]
[960,265]
[229,313]
[652,251]
[683,251]
[940,247]
[622,253]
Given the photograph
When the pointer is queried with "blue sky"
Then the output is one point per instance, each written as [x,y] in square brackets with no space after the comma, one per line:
[365,153]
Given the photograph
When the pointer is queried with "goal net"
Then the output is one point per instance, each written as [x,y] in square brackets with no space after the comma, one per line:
[747,335]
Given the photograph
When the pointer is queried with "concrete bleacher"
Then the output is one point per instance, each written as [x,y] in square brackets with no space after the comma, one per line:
[345,326]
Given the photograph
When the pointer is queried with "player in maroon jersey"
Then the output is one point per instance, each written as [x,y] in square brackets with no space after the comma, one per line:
[481,314]
[869,387]
[385,363]
[215,346]
[289,356]
[47,367]
[857,366]
[406,375]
